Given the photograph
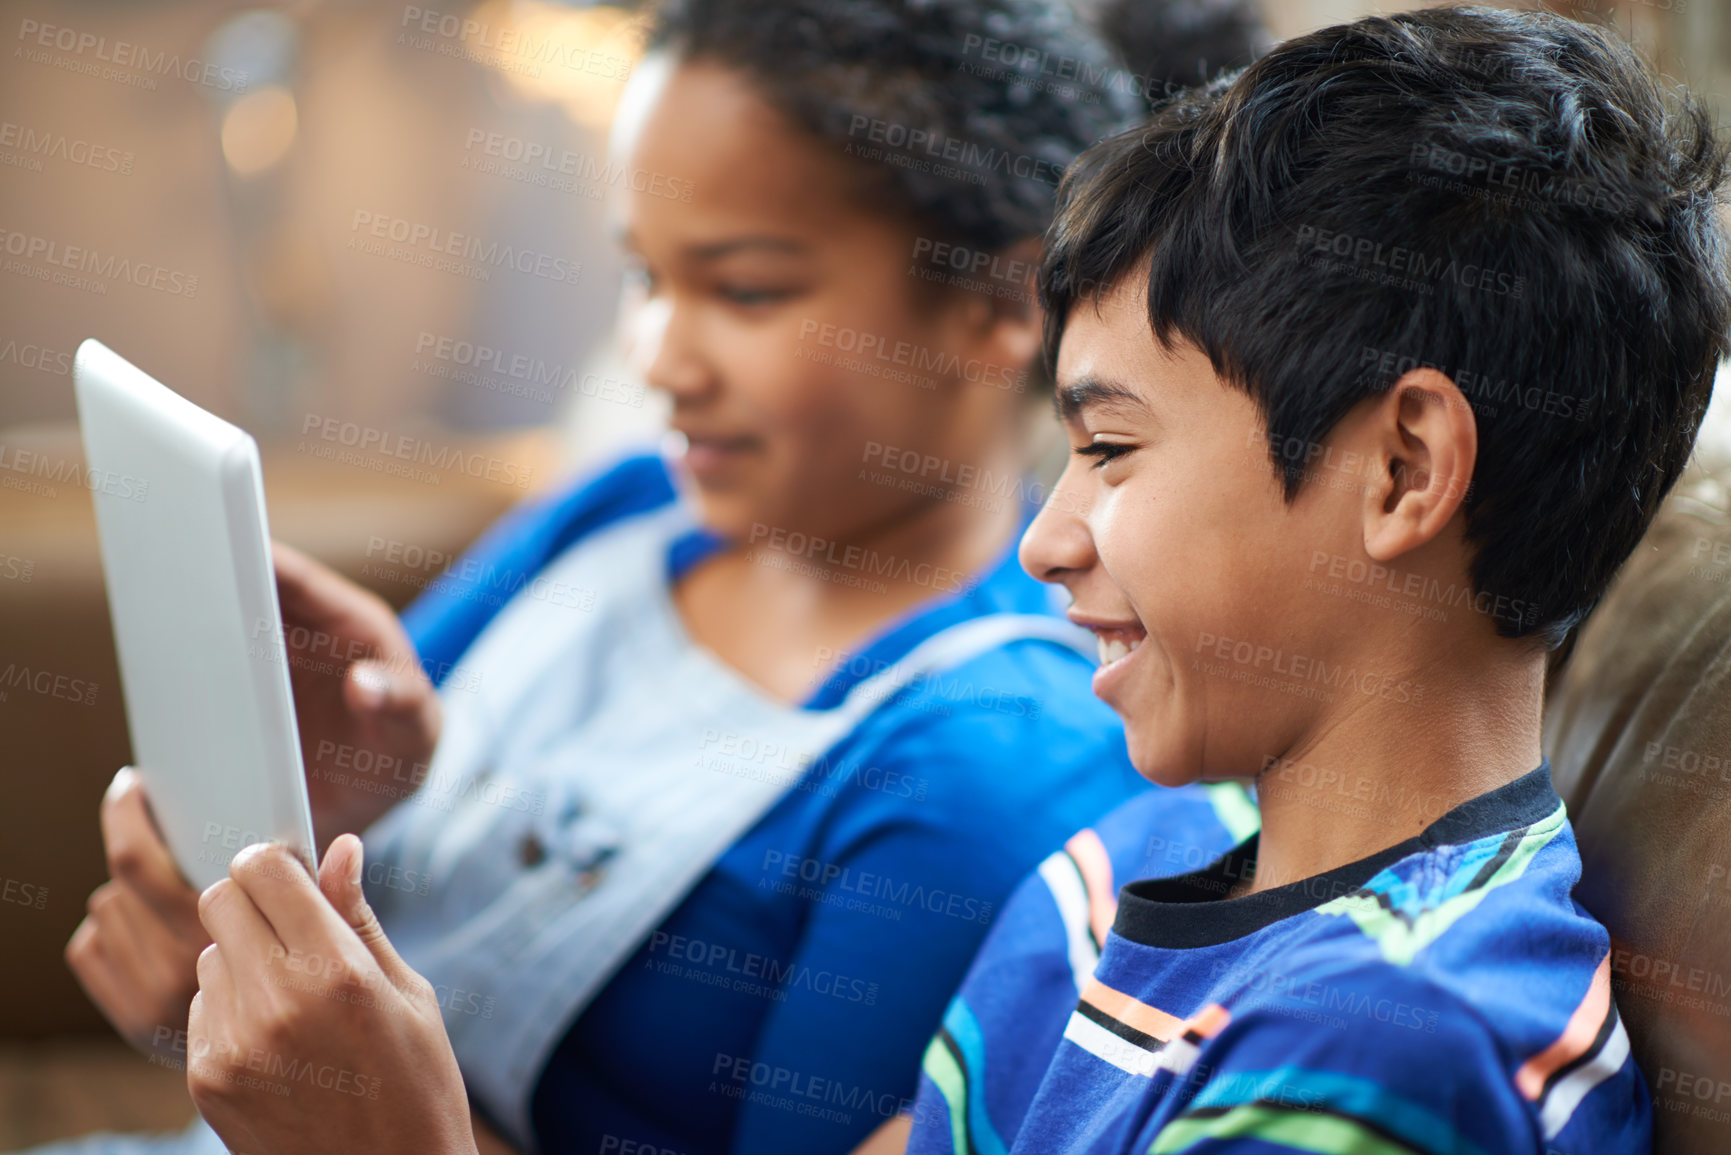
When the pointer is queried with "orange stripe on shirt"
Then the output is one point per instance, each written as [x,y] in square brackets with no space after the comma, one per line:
[1209,1021]
[1583,1028]
[1091,859]
[1133,1012]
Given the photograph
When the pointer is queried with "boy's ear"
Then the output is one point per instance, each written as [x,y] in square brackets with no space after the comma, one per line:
[1426,441]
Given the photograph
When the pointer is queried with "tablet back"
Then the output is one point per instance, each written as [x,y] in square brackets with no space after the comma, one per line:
[186,555]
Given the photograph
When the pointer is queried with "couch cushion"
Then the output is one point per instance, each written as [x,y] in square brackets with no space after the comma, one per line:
[1638,728]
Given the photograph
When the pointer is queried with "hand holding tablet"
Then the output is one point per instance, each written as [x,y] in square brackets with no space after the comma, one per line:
[369,717]
[136,951]
[372,1026]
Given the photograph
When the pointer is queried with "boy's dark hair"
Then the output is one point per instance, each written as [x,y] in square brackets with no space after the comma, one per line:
[995,132]
[1501,195]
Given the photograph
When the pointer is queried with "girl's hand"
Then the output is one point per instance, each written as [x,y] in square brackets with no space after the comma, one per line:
[309,1033]
[368,714]
[136,952]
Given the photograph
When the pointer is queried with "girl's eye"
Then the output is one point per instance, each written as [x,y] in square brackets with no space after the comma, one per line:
[745,296]
[1102,451]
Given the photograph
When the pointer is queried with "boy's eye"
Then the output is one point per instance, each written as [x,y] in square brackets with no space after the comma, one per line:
[1103,451]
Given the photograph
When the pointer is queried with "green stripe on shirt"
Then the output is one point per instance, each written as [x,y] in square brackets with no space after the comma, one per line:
[1402,934]
[941,1065]
[1321,1134]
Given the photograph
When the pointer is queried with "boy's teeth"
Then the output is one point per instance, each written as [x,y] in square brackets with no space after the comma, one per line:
[1111,650]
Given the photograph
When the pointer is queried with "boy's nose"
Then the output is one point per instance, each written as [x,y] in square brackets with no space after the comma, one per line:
[1059,545]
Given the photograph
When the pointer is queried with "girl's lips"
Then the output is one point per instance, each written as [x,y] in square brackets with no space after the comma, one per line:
[706,456]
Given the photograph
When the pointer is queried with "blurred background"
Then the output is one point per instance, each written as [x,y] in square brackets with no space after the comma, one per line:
[213,190]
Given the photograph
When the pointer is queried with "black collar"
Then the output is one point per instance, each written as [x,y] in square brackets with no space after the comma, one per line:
[1190,910]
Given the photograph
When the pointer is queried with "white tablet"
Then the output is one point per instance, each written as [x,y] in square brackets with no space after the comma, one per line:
[192,591]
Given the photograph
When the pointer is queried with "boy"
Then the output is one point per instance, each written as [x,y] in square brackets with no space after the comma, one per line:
[1376,363]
